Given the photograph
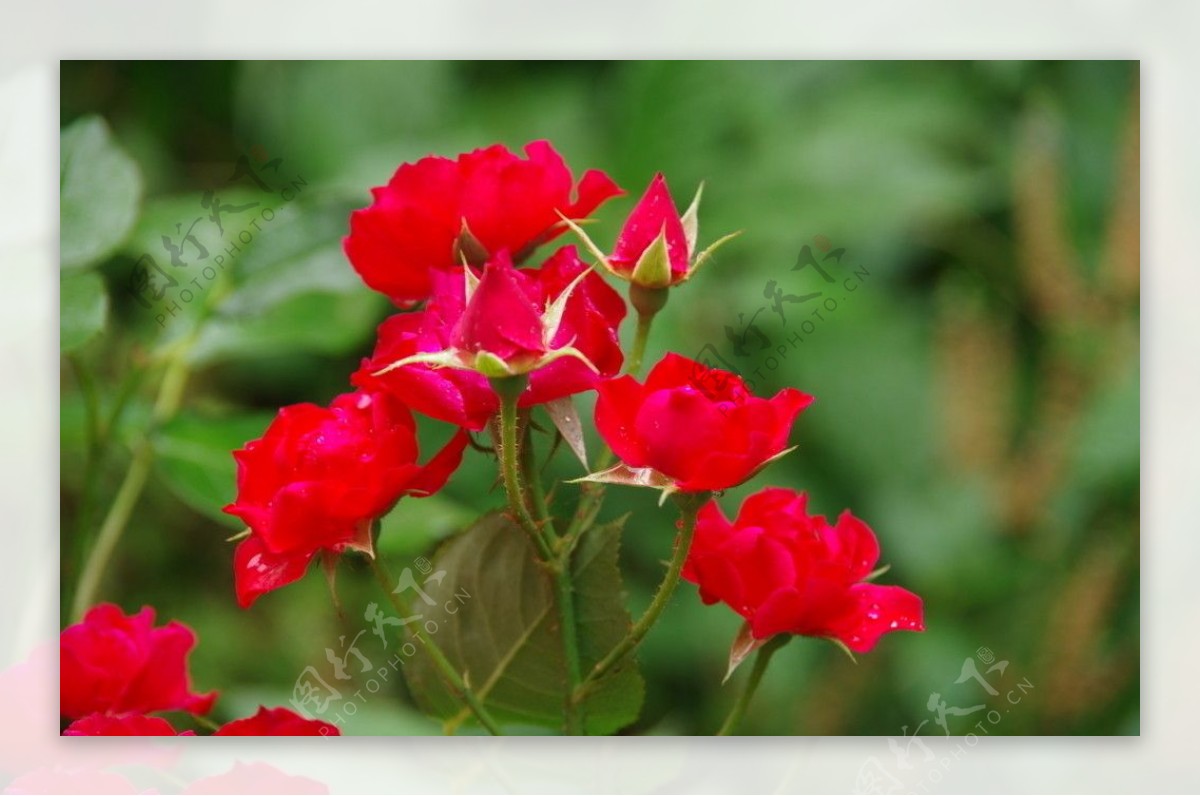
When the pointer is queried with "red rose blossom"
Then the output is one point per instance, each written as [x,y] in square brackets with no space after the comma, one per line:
[697,428]
[317,479]
[134,724]
[414,225]
[786,571]
[506,302]
[277,721]
[115,664]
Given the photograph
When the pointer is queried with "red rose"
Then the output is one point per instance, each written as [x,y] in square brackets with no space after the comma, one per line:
[504,305]
[134,724]
[654,215]
[414,225]
[277,721]
[785,571]
[114,664]
[699,429]
[317,479]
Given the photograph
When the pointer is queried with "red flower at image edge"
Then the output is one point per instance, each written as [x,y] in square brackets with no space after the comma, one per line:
[113,664]
[785,571]
[590,324]
[319,477]
[132,724]
[700,428]
[507,202]
[277,721]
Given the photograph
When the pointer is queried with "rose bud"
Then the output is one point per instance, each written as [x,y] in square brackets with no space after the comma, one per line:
[656,247]
[515,322]
[591,319]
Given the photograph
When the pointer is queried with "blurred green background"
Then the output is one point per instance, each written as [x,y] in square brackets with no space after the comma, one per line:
[977,392]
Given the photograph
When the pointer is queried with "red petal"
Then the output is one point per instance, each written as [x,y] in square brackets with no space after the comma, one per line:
[617,404]
[257,571]
[877,610]
[433,476]
[501,317]
[163,682]
[277,721]
[131,725]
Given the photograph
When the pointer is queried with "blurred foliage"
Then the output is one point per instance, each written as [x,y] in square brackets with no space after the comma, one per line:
[974,354]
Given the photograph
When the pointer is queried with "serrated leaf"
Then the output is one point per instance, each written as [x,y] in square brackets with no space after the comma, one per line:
[83,308]
[507,639]
[100,190]
[194,457]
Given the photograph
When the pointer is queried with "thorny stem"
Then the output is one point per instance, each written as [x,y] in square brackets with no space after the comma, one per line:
[560,566]
[509,468]
[689,507]
[440,661]
[761,659]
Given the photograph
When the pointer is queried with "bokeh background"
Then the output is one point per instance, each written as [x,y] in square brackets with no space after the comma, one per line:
[977,391]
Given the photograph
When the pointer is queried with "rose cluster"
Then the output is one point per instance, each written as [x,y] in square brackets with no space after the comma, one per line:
[454,243]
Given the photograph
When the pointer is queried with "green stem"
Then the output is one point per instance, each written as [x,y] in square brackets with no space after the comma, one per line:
[761,659]
[512,482]
[440,661]
[560,566]
[170,395]
[689,507]
[634,365]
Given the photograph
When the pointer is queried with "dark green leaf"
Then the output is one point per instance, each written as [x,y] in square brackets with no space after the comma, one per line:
[194,456]
[83,308]
[507,638]
[100,188]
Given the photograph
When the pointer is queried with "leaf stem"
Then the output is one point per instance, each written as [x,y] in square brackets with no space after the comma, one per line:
[761,659]
[440,661]
[689,506]
[170,395]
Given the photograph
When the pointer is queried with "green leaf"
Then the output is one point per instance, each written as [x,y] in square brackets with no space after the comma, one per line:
[83,308]
[507,639]
[100,189]
[194,457]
